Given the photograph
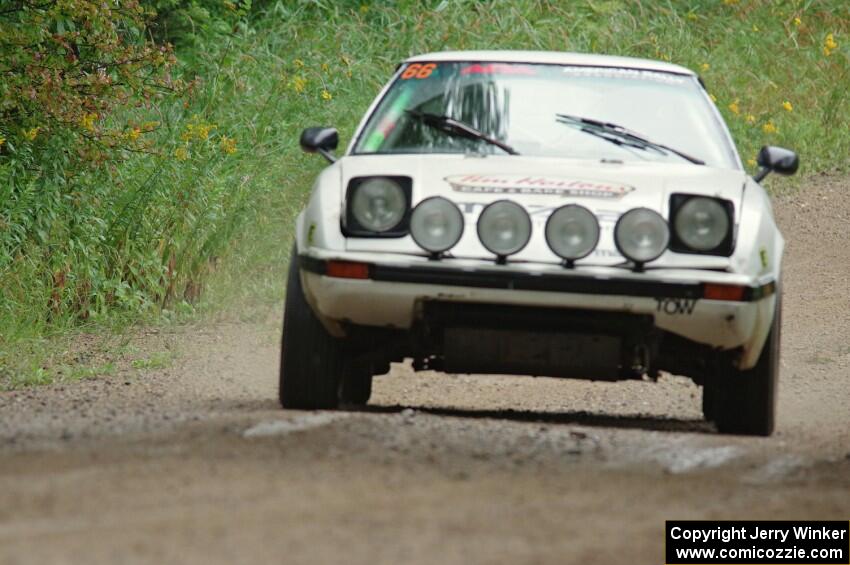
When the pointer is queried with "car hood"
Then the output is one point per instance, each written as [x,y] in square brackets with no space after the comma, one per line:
[541,185]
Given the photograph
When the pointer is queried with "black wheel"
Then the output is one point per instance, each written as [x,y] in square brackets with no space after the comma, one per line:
[311,360]
[356,387]
[744,402]
[708,401]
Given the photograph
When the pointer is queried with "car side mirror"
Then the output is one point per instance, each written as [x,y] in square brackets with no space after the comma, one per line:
[776,159]
[322,140]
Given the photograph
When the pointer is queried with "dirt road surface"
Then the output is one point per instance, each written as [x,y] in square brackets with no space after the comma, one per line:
[195,463]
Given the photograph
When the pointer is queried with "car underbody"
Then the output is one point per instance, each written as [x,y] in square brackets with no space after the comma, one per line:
[554,342]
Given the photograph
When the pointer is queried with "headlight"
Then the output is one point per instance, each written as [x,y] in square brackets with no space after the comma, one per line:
[378,204]
[504,228]
[641,235]
[436,224]
[701,224]
[572,232]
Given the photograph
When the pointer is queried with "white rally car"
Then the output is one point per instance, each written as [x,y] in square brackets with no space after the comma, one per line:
[536,213]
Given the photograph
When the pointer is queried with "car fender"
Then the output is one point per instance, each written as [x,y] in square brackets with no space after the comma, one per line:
[318,225]
[758,253]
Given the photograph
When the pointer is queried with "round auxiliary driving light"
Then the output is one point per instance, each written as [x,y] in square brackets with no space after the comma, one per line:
[436,224]
[379,204]
[572,232]
[504,228]
[701,223]
[641,235]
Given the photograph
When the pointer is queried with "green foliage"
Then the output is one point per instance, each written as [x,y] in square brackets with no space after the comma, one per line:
[189,23]
[66,64]
[203,217]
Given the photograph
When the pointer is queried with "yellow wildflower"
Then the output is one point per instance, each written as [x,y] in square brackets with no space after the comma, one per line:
[755,28]
[751,119]
[87,121]
[797,22]
[734,108]
[326,95]
[829,45]
[181,153]
[228,145]
[299,84]
[364,8]
[752,162]
[202,131]
[2,140]
[787,105]
[692,16]
[830,41]
[298,63]
[769,127]
[325,67]
[713,97]
[30,134]
[197,130]
[705,67]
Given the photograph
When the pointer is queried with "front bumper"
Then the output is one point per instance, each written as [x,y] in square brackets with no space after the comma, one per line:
[395,286]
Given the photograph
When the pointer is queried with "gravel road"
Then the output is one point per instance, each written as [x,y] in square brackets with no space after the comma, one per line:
[195,463]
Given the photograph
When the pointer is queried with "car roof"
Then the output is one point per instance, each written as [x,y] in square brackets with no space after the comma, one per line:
[552,58]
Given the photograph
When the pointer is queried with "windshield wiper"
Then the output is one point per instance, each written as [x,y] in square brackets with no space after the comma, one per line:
[456,128]
[619,135]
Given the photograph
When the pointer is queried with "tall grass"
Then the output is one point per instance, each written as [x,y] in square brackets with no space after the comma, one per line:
[207,223]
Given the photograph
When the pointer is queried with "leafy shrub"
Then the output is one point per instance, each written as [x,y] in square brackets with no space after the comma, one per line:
[66,66]
[188,23]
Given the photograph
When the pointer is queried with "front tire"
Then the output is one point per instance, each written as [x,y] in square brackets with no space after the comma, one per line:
[311,359]
[744,402]
[356,388]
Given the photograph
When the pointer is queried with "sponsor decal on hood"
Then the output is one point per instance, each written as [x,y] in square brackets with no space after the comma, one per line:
[534,184]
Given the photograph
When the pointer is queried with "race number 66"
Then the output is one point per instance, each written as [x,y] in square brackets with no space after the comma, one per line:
[418,70]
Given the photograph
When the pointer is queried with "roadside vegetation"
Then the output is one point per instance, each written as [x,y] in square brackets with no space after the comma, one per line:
[149,161]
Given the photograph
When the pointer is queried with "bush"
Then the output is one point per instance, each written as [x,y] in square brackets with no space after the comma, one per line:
[189,23]
[81,84]
[66,66]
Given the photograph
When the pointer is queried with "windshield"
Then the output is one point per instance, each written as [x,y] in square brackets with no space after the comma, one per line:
[519,105]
